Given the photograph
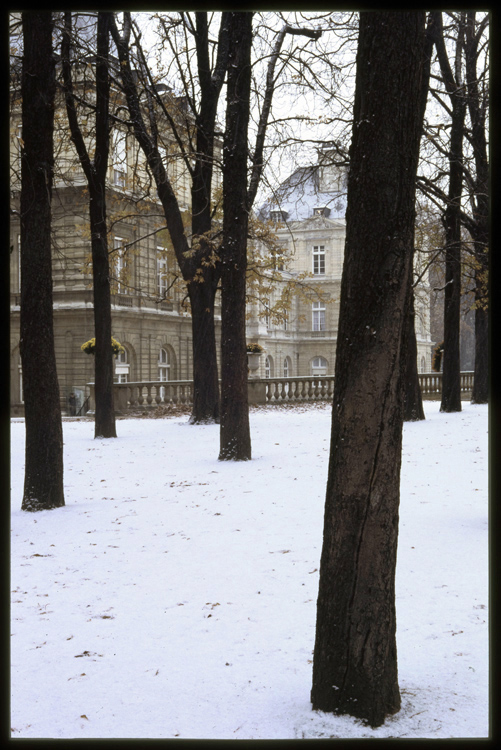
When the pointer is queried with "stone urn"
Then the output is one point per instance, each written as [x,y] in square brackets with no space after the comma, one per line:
[253,363]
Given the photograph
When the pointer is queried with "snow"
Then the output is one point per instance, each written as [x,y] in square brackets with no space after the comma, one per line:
[175,595]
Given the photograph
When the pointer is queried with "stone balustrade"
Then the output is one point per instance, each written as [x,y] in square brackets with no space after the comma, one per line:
[299,389]
[152,393]
[431,385]
[304,389]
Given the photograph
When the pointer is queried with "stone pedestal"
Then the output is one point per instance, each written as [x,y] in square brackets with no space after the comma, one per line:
[256,390]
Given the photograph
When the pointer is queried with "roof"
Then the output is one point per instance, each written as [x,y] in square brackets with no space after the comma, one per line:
[300,194]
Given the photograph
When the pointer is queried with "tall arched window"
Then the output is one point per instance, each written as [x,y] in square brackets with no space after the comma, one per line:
[122,367]
[163,369]
[287,367]
[268,367]
[319,366]
[163,365]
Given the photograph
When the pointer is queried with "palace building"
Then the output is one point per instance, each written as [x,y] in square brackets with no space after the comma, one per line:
[149,313]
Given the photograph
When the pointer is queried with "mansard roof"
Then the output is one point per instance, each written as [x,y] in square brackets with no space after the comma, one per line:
[302,193]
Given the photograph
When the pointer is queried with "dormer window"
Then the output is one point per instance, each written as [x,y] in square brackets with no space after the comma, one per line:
[278,215]
[321,211]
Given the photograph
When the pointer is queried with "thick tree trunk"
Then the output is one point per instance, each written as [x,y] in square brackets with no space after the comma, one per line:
[355,658]
[478,108]
[451,378]
[95,170]
[104,420]
[413,401]
[235,442]
[43,479]
[205,408]
[480,394]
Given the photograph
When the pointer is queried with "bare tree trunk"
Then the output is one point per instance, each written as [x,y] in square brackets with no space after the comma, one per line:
[104,420]
[235,442]
[95,171]
[451,378]
[43,479]
[477,97]
[205,371]
[413,401]
[355,656]
[480,394]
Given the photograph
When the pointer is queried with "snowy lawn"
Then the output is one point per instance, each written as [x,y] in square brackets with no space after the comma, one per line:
[175,595]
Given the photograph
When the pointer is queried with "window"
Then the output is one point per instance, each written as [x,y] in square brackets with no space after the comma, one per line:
[120,264]
[163,364]
[318,316]
[163,369]
[161,272]
[423,364]
[119,159]
[287,367]
[319,260]
[122,367]
[319,366]
[268,368]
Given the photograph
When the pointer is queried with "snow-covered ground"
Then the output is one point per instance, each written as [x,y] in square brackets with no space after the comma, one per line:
[175,595]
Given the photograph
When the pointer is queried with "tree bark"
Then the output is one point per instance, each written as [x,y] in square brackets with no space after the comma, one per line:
[477,106]
[95,171]
[206,403]
[43,479]
[451,378]
[413,401]
[355,656]
[480,393]
[235,442]
[104,420]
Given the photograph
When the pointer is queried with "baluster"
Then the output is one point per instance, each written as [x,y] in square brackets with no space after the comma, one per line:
[287,390]
[304,390]
[283,392]
[308,389]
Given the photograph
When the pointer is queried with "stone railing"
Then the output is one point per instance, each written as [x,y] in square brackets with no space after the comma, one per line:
[431,385]
[149,394]
[152,393]
[299,389]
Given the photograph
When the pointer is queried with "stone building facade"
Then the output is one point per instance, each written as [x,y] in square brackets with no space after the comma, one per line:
[309,211]
[149,313]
